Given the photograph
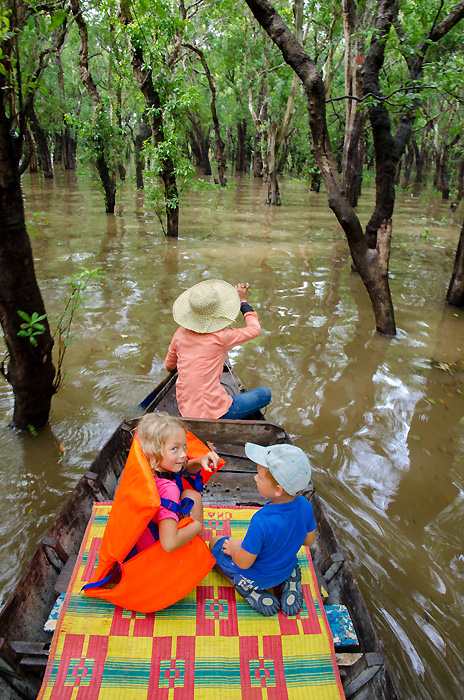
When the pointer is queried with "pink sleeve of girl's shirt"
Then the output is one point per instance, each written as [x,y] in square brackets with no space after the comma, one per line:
[171,358]
[166,489]
[230,337]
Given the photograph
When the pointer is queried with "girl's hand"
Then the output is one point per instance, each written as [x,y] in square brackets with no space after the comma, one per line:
[210,461]
[242,290]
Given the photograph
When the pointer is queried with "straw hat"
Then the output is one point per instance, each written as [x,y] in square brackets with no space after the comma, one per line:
[207,307]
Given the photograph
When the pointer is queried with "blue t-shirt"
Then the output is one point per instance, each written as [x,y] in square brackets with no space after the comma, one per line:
[276,533]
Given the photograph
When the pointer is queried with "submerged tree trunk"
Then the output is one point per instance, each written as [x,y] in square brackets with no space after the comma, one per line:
[408,161]
[418,166]
[353,146]
[45,160]
[460,187]
[240,164]
[443,165]
[69,149]
[273,194]
[455,295]
[30,158]
[219,143]
[107,176]
[28,368]
[257,160]
[371,263]
[142,135]
[200,144]
[68,143]
[260,119]
[144,76]
[283,155]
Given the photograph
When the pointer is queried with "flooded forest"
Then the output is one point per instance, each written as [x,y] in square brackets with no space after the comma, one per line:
[313,152]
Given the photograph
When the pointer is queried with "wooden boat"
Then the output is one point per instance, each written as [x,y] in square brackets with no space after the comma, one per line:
[23,643]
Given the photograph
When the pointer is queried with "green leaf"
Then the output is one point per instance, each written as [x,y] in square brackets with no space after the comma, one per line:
[57,19]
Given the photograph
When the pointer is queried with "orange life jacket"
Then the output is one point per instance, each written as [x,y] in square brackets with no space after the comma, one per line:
[152,579]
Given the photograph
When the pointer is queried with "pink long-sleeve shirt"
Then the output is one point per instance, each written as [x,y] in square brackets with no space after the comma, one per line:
[199,358]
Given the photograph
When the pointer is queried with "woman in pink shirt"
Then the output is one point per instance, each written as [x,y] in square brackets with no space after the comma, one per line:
[199,347]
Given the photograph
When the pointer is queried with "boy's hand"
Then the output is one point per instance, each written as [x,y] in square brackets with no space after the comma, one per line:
[242,290]
[231,546]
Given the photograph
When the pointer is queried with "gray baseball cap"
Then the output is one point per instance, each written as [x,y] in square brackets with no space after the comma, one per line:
[289,465]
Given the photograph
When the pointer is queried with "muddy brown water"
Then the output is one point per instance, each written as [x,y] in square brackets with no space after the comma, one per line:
[382,420]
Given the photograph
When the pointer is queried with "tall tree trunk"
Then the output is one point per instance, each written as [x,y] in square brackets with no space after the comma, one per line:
[69,149]
[45,160]
[31,156]
[195,149]
[143,75]
[200,145]
[460,187]
[273,194]
[315,184]
[57,149]
[27,368]
[408,161]
[240,165]
[219,143]
[283,155]
[276,136]
[372,264]
[353,146]
[260,119]
[68,142]
[443,166]
[257,160]
[455,295]
[143,134]
[418,166]
[107,176]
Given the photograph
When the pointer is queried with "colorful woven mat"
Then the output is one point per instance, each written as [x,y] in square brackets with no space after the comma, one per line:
[210,645]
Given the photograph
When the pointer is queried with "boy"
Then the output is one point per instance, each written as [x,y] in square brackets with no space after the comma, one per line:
[267,556]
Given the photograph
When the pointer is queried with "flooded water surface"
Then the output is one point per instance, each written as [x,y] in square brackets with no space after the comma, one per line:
[382,420]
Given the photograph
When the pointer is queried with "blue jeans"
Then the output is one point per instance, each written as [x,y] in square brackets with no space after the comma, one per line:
[227,565]
[248,402]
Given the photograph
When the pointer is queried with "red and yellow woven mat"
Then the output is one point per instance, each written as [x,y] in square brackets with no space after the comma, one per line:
[210,645]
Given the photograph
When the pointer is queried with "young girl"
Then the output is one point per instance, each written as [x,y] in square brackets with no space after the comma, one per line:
[199,347]
[163,441]
[150,554]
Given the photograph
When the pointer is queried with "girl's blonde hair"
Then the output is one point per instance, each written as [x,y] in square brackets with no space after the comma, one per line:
[152,430]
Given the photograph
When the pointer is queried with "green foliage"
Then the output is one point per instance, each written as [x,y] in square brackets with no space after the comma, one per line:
[100,136]
[37,220]
[154,188]
[32,326]
[74,299]
[5,34]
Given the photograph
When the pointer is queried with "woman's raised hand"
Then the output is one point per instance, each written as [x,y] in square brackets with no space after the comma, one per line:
[242,290]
